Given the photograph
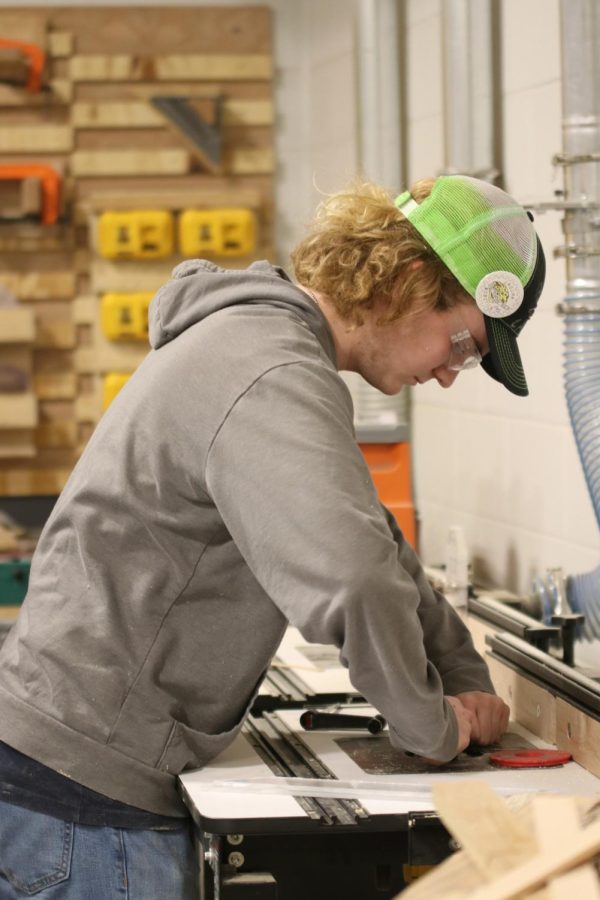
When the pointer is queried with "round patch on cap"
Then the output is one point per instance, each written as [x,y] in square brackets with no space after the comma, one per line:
[499,294]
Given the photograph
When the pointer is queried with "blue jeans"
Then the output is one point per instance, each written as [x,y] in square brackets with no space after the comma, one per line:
[50,859]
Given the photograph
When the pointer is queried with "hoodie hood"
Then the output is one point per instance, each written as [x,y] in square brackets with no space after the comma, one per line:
[198,288]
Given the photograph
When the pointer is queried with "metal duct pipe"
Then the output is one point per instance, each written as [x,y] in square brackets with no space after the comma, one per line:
[379,91]
[470,62]
[580,22]
[368,88]
[380,117]
[458,122]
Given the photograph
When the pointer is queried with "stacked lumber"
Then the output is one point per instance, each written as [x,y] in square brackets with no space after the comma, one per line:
[536,846]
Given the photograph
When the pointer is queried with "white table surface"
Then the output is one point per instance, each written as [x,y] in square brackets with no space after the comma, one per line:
[241,762]
[317,665]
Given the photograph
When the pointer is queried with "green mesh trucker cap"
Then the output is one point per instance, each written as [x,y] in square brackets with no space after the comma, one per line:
[488,242]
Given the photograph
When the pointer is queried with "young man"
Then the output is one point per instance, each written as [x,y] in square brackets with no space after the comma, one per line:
[222,496]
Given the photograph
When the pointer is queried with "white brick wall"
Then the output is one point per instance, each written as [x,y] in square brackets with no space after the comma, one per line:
[315,87]
[505,468]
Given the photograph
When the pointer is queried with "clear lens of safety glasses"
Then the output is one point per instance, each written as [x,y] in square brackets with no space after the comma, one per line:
[464,353]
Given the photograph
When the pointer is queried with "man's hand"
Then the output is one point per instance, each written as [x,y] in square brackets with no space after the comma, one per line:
[464,719]
[489,715]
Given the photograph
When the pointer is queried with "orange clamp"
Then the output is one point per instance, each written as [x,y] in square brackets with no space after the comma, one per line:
[50,182]
[36,57]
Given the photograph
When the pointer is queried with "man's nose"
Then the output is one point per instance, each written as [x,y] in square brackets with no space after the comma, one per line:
[445,377]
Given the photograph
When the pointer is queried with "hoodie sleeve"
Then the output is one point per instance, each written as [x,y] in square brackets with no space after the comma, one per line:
[292,487]
[448,642]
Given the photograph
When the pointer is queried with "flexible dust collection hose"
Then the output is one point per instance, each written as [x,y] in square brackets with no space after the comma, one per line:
[582,388]
[580,162]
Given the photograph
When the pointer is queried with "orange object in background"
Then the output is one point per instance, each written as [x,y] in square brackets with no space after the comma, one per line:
[36,59]
[50,182]
[389,465]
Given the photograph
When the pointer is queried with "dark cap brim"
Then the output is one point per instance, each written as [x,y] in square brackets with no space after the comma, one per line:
[503,362]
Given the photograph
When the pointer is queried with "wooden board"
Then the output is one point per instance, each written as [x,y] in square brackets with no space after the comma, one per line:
[55,333]
[531,705]
[119,163]
[60,44]
[17,326]
[60,92]
[44,138]
[579,734]
[56,435]
[556,822]
[201,198]
[538,709]
[29,238]
[18,411]
[140,114]
[510,847]
[22,482]
[90,163]
[17,443]
[159,30]
[107,276]
[543,867]
[16,364]
[483,825]
[32,286]
[55,385]
[212,67]
[28,28]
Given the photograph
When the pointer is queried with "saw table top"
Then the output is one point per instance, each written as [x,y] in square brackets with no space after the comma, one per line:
[220,804]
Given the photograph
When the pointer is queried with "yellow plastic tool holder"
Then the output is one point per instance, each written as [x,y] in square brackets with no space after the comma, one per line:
[113,382]
[217,232]
[124,317]
[139,234]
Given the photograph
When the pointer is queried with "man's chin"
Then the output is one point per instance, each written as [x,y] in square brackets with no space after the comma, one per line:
[385,387]
[388,390]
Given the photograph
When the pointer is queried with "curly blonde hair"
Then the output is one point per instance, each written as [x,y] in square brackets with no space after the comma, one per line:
[360,249]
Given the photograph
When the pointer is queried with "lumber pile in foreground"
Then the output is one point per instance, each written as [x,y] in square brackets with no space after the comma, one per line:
[536,846]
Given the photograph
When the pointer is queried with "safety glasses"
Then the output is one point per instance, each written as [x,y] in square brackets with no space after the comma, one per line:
[464,353]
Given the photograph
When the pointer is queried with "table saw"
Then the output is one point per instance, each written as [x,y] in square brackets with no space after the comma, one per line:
[294,814]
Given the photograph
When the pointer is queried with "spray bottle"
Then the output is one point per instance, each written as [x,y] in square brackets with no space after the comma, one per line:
[457,567]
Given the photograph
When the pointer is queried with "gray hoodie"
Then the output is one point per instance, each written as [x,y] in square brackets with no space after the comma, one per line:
[221,496]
